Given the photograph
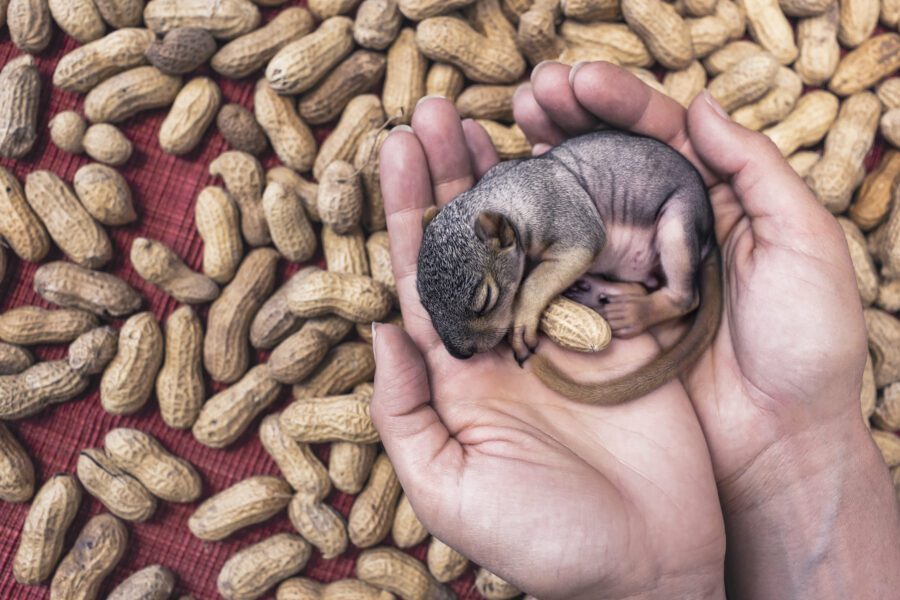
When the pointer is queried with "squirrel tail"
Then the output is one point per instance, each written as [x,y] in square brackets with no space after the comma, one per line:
[668,365]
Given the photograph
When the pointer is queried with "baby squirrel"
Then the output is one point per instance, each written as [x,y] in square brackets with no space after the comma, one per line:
[613,204]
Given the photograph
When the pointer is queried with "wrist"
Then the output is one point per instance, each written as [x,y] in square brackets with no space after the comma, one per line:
[813,515]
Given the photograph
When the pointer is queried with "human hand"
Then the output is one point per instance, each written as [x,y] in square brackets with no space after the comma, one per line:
[563,500]
[777,393]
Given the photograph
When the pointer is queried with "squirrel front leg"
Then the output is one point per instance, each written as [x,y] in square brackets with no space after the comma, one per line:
[556,272]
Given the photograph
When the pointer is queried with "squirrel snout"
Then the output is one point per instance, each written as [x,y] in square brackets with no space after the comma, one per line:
[457,353]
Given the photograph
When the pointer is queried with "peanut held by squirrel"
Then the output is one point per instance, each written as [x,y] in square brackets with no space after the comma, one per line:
[593,217]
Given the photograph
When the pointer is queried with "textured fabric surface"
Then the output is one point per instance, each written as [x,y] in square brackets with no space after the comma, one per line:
[164,189]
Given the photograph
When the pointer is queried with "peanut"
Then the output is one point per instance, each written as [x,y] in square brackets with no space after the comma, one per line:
[684,85]
[191,114]
[339,200]
[16,469]
[105,194]
[349,465]
[331,419]
[510,142]
[128,380]
[819,48]
[884,337]
[32,325]
[120,13]
[251,501]
[130,92]
[239,128]
[19,226]
[345,253]
[834,178]
[536,35]
[802,162]
[575,54]
[150,583]
[770,28]
[353,297]
[297,462]
[300,588]
[367,163]
[218,222]
[866,276]
[888,92]
[445,81]
[306,190]
[868,392]
[745,82]
[83,68]
[451,40]
[361,115]
[889,125]
[72,286]
[486,102]
[20,92]
[774,105]
[889,446]
[67,131]
[625,45]
[297,356]
[873,200]
[887,246]
[158,264]
[107,144]
[319,524]
[14,359]
[729,55]
[44,531]
[344,367]
[372,514]
[323,9]
[118,491]
[591,10]
[493,587]
[874,59]
[181,50]
[806,8]
[290,137]
[355,75]
[92,351]
[404,81]
[288,225]
[299,65]
[30,25]
[377,23]
[407,530]
[180,390]
[250,573]
[99,548]
[29,392]
[229,413]
[445,563]
[379,253]
[416,10]
[226,348]
[163,474]
[806,124]
[80,19]
[226,19]
[273,321]
[243,176]
[251,51]
[69,224]
[858,19]
[665,33]
[890,13]
[399,573]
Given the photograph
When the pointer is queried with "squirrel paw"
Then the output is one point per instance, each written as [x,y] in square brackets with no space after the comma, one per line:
[523,339]
[627,316]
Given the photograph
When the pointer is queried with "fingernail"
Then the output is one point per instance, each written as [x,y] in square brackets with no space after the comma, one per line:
[375,325]
[715,105]
[539,149]
[524,87]
[405,128]
[574,70]
[424,98]
[540,66]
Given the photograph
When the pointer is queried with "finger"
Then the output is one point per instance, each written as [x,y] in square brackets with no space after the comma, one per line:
[440,132]
[421,449]
[406,188]
[766,186]
[537,126]
[481,149]
[622,100]
[552,91]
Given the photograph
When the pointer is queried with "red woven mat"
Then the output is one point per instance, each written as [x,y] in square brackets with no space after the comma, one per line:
[164,189]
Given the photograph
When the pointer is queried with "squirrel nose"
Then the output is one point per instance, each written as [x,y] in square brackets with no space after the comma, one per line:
[459,354]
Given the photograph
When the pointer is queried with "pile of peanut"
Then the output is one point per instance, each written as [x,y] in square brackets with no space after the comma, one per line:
[317,66]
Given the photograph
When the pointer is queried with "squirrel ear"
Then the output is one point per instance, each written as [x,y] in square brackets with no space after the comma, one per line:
[491,226]
[430,213]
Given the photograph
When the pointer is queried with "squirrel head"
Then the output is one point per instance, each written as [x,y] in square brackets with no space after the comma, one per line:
[469,270]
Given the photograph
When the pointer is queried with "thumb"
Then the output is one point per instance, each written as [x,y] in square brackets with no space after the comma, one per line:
[763,181]
[417,442]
